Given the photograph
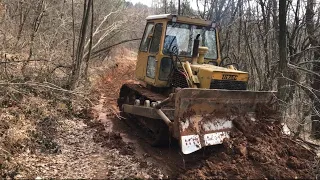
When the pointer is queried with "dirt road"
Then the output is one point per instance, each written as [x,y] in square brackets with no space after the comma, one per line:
[255,150]
[98,143]
[83,149]
[168,159]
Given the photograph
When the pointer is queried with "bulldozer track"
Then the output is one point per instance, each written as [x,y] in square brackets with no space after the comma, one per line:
[143,92]
[158,131]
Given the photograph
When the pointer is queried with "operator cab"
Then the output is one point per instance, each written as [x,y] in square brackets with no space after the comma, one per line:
[180,38]
[168,37]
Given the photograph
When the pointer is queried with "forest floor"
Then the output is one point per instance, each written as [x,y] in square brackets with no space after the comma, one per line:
[40,138]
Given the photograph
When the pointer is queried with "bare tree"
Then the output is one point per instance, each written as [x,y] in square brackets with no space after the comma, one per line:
[310,25]
[283,59]
[77,64]
[179,7]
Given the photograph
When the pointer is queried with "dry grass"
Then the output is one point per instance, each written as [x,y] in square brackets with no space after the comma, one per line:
[30,116]
[43,131]
[21,123]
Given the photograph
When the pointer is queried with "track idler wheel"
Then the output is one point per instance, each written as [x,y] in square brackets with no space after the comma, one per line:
[158,131]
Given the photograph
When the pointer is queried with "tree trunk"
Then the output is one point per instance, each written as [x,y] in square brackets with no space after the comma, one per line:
[90,43]
[165,6]
[76,69]
[179,9]
[283,59]
[316,104]
[315,84]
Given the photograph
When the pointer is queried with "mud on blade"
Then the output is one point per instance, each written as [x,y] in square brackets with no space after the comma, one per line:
[203,117]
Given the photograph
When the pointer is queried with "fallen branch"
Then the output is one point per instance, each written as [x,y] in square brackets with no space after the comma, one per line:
[304,144]
[310,144]
[7,62]
[41,85]
[97,52]
[115,113]
[49,86]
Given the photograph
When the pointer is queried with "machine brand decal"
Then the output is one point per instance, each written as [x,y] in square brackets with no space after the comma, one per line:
[229,77]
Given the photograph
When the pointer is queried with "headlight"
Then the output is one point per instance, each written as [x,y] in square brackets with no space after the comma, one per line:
[151,67]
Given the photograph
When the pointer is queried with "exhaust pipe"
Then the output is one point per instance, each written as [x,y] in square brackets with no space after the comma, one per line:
[195,50]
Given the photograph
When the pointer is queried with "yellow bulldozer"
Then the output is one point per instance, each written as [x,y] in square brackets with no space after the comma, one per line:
[186,91]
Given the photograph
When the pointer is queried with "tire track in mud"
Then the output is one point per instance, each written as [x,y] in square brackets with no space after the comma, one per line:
[169,159]
[255,150]
[244,155]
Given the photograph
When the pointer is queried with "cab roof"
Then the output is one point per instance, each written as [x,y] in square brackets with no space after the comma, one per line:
[183,19]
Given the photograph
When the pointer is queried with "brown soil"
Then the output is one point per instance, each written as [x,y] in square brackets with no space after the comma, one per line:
[112,140]
[256,150]
[49,136]
[42,138]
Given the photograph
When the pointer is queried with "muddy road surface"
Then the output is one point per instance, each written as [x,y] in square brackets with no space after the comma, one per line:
[42,138]
[256,149]
[169,159]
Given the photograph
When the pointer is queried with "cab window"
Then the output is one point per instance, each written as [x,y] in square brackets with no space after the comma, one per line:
[156,38]
[146,39]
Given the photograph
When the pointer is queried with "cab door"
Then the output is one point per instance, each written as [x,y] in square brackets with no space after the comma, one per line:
[154,55]
[150,53]
[144,51]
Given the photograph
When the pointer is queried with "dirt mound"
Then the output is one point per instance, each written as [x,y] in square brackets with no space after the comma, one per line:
[256,150]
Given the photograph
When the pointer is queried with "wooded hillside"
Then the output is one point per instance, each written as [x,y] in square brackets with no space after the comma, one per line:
[62,64]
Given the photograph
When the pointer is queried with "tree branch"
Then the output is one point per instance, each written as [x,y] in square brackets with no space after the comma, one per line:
[8,62]
[97,52]
[302,69]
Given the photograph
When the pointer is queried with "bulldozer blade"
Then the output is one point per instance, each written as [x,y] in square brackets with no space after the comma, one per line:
[203,117]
